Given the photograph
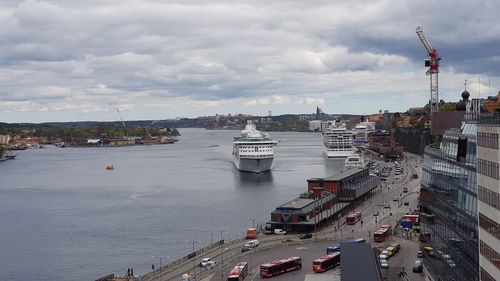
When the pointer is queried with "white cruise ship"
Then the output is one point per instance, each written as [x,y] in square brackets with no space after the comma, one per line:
[338,141]
[253,151]
[361,132]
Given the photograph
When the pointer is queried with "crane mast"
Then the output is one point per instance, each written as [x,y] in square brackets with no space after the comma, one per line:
[433,63]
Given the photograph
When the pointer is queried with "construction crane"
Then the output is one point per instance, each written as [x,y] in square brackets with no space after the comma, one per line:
[433,63]
[123,123]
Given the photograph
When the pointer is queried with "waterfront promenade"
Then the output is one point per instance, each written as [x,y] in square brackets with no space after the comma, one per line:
[228,253]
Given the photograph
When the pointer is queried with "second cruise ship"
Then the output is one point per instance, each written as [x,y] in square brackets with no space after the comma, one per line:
[338,141]
[253,150]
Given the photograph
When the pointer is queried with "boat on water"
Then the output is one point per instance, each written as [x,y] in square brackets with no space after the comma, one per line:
[253,150]
[338,141]
[361,132]
[354,161]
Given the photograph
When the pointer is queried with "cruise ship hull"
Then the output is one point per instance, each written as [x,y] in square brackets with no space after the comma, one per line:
[338,154]
[253,165]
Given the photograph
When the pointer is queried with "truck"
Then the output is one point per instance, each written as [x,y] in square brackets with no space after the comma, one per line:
[268,228]
[251,233]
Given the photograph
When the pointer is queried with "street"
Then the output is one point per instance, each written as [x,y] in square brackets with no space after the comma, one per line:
[388,203]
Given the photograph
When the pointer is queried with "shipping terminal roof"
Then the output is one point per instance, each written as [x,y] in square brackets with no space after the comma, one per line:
[297,203]
[344,174]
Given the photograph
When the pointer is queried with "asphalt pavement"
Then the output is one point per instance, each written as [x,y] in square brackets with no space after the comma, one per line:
[276,246]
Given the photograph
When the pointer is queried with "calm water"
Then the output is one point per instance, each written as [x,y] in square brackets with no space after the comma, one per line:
[64,217]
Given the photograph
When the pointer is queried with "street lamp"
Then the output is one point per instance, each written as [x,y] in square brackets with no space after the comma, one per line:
[194,274]
[222,261]
[160,268]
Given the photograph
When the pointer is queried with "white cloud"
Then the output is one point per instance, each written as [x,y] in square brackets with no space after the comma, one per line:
[89,56]
[272,100]
[311,101]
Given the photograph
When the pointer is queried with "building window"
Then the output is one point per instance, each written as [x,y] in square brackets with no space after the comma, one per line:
[489,254]
[489,197]
[490,226]
[487,168]
[485,276]
[487,140]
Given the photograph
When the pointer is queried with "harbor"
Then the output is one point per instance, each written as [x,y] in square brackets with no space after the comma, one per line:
[151,193]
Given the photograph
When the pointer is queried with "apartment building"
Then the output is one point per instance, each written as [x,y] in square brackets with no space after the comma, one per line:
[488,186]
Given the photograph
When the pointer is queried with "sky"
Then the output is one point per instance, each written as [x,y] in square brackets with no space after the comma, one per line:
[151,59]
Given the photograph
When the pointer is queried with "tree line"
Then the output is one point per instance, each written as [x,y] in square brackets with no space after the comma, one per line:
[58,132]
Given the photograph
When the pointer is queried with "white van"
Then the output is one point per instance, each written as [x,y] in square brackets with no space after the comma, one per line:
[279,231]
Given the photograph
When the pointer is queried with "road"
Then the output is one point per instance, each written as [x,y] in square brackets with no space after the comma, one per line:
[273,246]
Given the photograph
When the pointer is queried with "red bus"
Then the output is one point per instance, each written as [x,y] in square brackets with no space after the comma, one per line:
[413,218]
[353,218]
[326,262]
[278,267]
[383,233]
[239,272]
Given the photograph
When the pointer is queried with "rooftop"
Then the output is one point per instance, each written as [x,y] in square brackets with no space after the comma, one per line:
[356,256]
[344,174]
[297,203]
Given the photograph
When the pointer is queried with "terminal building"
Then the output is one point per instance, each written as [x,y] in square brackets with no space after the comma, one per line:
[324,200]
[449,194]
[348,184]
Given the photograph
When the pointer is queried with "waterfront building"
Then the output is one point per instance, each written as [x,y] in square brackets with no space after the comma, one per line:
[315,125]
[324,200]
[449,196]
[305,213]
[384,142]
[4,139]
[488,184]
[348,184]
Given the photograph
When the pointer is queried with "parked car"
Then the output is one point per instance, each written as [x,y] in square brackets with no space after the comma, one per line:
[406,203]
[405,190]
[418,266]
[246,248]
[305,236]
[279,231]
[359,240]
[253,243]
[420,254]
[205,262]
[384,264]
[376,213]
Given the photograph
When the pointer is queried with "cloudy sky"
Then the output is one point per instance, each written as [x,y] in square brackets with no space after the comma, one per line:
[79,60]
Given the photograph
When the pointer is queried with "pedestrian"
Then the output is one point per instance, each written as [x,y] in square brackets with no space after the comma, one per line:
[152,266]
[128,272]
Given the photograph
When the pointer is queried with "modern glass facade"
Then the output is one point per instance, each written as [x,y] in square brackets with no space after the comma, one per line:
[449,192]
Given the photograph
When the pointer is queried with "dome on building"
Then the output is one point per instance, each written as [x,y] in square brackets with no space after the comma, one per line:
[465,95]
[461,105]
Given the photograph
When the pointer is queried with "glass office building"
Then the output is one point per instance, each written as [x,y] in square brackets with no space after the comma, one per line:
[449,195]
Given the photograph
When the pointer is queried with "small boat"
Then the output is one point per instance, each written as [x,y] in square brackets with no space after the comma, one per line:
[214,145]
[110,167]
[354,161]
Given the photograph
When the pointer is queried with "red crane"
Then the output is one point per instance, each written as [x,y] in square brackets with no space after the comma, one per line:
[433,63]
